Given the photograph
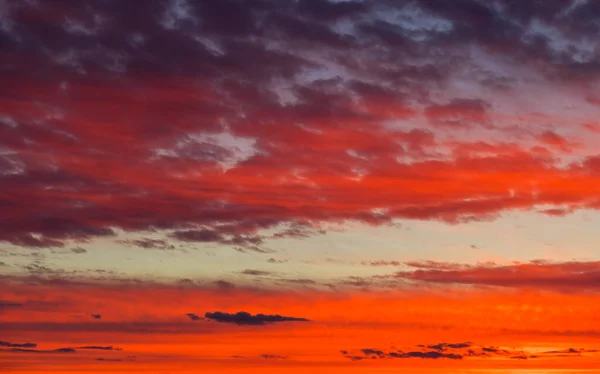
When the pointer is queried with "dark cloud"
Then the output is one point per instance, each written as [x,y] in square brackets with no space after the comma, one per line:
[193,317]
[128,358]
[425,355]
[240,242]
[9,304]
[245,318]
[443,346]
[17,345]
[359,282]
[459,351]
[101,348]
[58,350]
[258,273]
[298,231]
[272,357]
[224,285]
[301,281]
[369,351]
[96,316]
[78,250]
[148,243]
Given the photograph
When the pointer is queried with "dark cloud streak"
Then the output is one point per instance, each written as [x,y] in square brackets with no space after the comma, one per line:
[245,318]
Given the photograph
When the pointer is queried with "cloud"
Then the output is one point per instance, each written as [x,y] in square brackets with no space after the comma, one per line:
[382,263]
[298,231]
[240,242]
[272,357]
[128,358]
[148,243]
[245,318]
[459,113]
[78,250]
[301,281]
[553,139]
[96,316]
[369,351]
[198,236]
[17,345]
[101,348]
[58,350]
[276,261]
[426,355]
[263,356]
[224,285]
[351,99]
[193,317]
[4,304]
[253,272]
[460,351]
[559,276]
[443,346]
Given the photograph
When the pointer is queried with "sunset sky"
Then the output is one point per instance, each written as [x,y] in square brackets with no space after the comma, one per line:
[293,186]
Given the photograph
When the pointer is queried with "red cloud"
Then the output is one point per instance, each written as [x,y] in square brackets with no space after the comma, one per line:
[564,276]
[195,139]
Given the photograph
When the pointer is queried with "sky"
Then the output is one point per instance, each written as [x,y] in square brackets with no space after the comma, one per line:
[269,186]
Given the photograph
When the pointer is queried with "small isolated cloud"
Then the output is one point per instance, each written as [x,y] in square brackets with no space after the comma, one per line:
[245,318]
[256,273]
[193,317]
[96,316]
[276,261]
[272,357]
[78,250]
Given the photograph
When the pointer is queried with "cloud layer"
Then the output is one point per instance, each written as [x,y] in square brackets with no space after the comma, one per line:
[213,122]
[566,276]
